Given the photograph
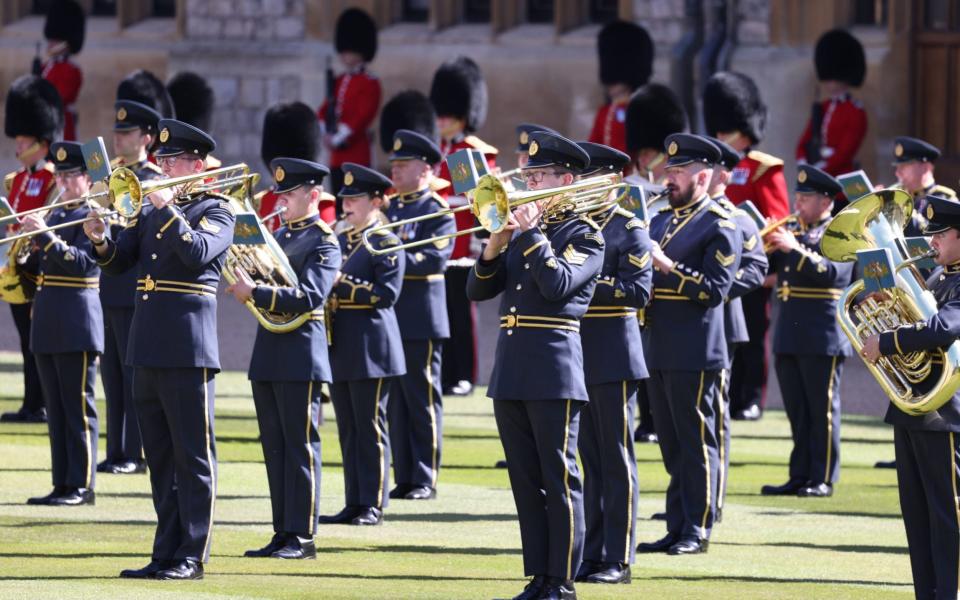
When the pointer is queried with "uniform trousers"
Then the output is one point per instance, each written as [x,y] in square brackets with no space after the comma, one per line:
[361,409]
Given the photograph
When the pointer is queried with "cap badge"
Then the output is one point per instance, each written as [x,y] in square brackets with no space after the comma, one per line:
[534,148]
[672,149]
[122,114]
[61,154]
[348,178]
[802,177]
[898,150]
[930,212]
[524,138]
[279,174]
[164,135]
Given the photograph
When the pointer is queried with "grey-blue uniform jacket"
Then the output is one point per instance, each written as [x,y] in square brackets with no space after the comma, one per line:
[301,354]
[119,291]
[808,287]
[750,274]
[366,336]
[66,309]
[939,332]
[179,251]
[685,318]
[612,350]
[422,307]
[547,275]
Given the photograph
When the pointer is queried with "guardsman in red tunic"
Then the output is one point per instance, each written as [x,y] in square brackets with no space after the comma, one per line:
[351,105]
[733,112]
[653,113]
[838,123]
[64,31]
[34,119]
[459,96]
[290,130]
[626,61]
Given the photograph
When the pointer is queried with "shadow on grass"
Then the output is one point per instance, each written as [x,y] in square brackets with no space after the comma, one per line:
[358,576]
[408,549]
[127,522]
[148,496]
[855,548]
[449,517]
[836,513]
[786,438]
[754,579]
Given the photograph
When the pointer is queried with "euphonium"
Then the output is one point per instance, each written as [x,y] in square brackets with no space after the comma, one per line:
[917,382]
[491,203]
[266,264]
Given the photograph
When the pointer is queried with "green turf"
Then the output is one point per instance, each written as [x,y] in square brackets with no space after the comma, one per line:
[463,545]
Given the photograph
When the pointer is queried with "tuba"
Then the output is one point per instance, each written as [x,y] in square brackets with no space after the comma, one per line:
[265,262]
[917,382]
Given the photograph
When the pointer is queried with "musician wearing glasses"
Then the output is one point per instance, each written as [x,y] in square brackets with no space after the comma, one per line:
[545,264]
[367,352]
[809,348]
[67,333]
[178,248]
[416,401]
[696,252]
[613,365]
[287,369]
[928,446]
[134,134]
[749,277]
[33,117]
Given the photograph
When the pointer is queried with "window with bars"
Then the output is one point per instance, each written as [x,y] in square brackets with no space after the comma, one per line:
[870,12]
[603,11]
[415,11]
[539,11]
[940,15]
[476,11]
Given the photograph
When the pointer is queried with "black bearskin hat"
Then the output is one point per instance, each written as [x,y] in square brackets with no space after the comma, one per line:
[731,102]
[459,90]
[653,113]
[356,32]
[411,110]
[66,22]
[33,108]
[291,130]
[626,54]
[192,99]
[839,56]
[143,86]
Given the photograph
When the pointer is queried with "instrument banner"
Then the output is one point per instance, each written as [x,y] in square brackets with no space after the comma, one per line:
[465,169]
[247,230]
[876,265]
[918,246]
[855,184]
[97,160]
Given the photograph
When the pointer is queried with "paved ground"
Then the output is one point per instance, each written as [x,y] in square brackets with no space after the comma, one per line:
[859,392]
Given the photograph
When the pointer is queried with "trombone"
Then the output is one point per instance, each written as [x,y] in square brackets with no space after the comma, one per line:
[491,204]
[773,226]
[125,194]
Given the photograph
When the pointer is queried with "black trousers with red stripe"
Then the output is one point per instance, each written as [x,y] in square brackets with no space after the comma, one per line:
[67,380]
[928,477]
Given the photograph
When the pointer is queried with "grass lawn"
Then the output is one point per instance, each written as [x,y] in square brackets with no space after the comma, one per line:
[466,544]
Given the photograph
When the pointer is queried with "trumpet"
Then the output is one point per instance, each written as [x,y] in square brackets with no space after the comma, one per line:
[773,226]
[125,194]
[491,204]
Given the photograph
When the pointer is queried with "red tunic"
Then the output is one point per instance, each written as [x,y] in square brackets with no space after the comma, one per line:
[610,126]
[357,102]
[465,218]
[29,188]
[843,129]
[758,177]
[268,204]
[67,78]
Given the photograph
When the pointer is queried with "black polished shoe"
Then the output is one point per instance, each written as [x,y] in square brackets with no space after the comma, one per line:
[751,413]
[47,500]
[587,568]
[689,545]
[500,464]
[182,569]
[645,436]
[661,545]
[75,497]
[297,548]
[105,467]
[148,572]
[790,488]
[532,590]
[558,589]
[341,518]
[400,490]
[25,416]
[611,573]
[128,467]
[421,492]
[279,541]
[885,464]
[461,388]
[660,516]
[368,515]
[815,490]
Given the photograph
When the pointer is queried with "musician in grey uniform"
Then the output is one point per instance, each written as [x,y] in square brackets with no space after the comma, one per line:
[927,446]
[286,368]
